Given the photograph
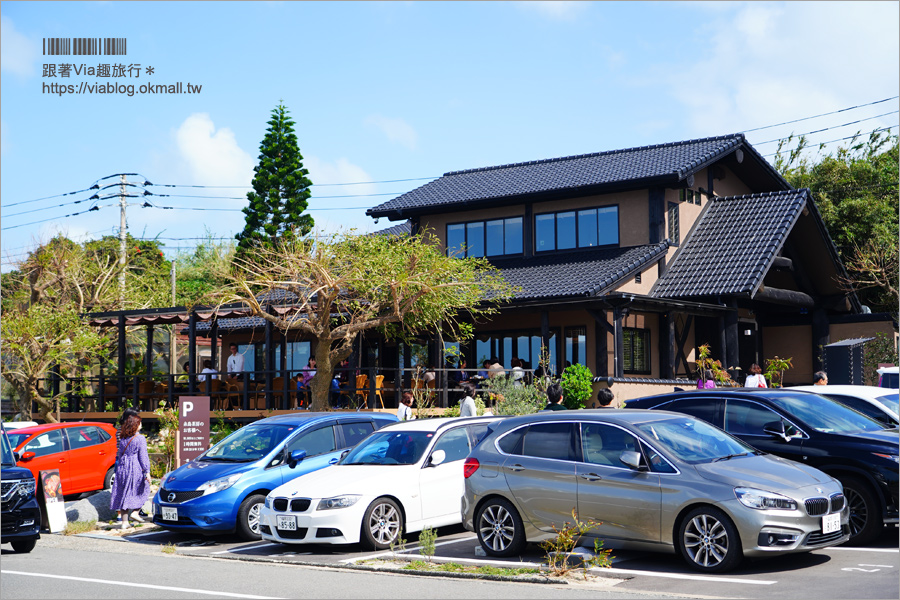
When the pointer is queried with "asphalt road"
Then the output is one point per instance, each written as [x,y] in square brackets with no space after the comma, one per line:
[246,568]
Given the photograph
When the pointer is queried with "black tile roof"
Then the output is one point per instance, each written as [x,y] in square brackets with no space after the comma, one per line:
[402,229]
[226,325]
[670,163]
[582,273]
[732,245]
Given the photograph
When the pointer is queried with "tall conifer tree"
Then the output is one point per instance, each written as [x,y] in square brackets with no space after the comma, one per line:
[281,188]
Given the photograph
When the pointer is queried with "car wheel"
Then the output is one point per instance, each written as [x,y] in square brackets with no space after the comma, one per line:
[499,528]
[865,511]
[248,518]
[110,478]
[708,540]
[382,524]
[24,546]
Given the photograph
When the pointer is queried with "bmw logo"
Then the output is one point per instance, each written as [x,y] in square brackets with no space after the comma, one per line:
[171,496]
[820,490]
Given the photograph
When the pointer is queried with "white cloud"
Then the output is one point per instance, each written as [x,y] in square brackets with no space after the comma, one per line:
[212,157]
[18,53]
[562,10]
[791,60]
[395,129]
[340,171]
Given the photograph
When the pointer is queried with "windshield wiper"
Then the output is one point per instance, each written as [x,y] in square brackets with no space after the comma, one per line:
[730,456]
[226,459]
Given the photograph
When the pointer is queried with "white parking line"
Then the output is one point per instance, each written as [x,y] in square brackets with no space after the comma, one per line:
[136,585]
[244,548]
[406,550]
[886,550]
[710,578]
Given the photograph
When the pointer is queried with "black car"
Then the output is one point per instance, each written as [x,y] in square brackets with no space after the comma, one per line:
[21,519]
[810,429]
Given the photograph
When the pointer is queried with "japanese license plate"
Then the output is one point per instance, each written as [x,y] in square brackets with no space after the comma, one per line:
[831,523]
[169,514]
[287,522]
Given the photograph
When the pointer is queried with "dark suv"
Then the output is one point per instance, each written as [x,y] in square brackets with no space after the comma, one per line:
[810,429]
[21,519]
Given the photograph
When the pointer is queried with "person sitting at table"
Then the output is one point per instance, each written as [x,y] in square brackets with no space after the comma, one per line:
[207,371]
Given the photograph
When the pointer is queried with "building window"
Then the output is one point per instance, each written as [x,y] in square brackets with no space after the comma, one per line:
[525,345]
[690,196]
[497,237]
[636,350]
[576,229]
[576,345]
[674,233]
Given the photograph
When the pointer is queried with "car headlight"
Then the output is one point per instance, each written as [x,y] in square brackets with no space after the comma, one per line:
[763,500]
[26,487]
[892,457]
[338,502]
[217,485]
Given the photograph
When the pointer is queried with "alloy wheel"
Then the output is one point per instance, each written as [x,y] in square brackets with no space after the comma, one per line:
[706,540]
[384,523]
[496,527]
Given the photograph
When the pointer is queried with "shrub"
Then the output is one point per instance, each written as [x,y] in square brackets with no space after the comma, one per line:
[576,382]
[427,543]
[510,398]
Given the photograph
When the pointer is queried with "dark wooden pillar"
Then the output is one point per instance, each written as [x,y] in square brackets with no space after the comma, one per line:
[732,354]
[122,358]
[270,364]
[821,337]
[601,345]
[214,343]
[148,356]
[619,361]
[545,335]
[528,232]
[667,350]
[192,353]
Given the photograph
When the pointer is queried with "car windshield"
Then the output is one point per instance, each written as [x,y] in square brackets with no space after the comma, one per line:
[892,401]
[824,415]
[694,441]
[248,444]
[17,438]
[390,448]
[8,459]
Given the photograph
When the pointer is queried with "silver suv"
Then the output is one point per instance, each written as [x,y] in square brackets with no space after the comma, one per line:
[656,481]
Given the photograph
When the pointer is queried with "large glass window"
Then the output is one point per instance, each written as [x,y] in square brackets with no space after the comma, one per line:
[576,345]
[525,345]
[636,350]
[577,229]
[498,237]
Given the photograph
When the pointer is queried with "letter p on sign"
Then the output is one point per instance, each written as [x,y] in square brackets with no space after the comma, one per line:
[188,407]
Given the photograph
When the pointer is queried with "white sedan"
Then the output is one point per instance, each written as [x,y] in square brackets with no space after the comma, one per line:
[402,478]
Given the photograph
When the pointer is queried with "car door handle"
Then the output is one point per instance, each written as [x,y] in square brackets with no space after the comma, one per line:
[333,461]
[515,467]
[590,476]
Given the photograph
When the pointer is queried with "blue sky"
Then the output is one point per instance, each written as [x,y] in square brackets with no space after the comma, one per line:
[407,90]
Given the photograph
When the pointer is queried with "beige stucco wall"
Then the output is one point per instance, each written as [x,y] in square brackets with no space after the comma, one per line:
[846,331]
[730,185]
[648,278]
[794,342]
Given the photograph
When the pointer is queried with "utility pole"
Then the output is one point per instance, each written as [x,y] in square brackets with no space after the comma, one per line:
[172,347]
[122,242]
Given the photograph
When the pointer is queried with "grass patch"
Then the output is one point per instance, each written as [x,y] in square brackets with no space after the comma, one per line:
[168,548]
[451,567]
[76,527]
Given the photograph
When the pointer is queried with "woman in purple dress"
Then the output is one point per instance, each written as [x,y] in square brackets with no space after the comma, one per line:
[132,485]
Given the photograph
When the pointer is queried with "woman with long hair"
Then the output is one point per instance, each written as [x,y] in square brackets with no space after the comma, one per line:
[756,378]
[132,485]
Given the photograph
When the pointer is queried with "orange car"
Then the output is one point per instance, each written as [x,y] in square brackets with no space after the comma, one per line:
[84,453]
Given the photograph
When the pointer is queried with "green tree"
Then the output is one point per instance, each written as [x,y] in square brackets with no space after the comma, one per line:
[280,188]
[576,383]
[346,284]
[855,189]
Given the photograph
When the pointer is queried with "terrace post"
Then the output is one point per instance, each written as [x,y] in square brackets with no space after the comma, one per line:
[121,367]
[192,353]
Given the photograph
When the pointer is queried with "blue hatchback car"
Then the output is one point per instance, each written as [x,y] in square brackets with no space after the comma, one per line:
[224,488]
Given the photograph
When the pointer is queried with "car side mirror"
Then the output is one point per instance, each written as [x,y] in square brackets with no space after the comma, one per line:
[776,429]
[635,460]
[296,457]
[344,453]
[28,456]
[436,458]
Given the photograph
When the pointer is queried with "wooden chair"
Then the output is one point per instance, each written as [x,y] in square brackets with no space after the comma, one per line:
[362,388]
[218,394]
[379,388]
[146,394]
[278,392]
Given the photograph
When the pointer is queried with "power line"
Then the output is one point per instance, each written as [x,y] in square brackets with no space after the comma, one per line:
[834,112]
[849,137]
[25,212]
[243,187]
[893,112]
[93,208]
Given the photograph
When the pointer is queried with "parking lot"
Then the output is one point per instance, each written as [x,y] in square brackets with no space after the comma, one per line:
[838,572]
